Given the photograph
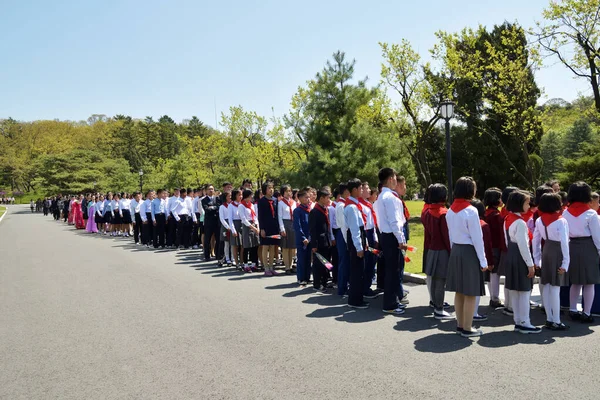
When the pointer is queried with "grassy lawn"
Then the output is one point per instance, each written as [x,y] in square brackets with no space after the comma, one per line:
[417,237]
[2,210]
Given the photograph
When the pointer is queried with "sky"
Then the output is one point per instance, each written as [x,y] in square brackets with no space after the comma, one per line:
[68,60]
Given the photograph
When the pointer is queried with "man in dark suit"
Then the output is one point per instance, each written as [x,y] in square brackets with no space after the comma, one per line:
[321,238]
[211,221]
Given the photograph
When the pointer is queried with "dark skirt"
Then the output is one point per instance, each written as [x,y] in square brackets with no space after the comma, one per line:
[584,267]
[501,269]
[98,219]
[126,217]
[108,218]
[224,234]
[516,270]
[436,264]
[237,241]
[117,220]
[464,272]
[552,258]
[289,240]
[249,238]
[497,255]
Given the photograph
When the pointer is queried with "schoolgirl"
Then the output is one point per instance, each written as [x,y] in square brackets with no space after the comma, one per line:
[584,246]
[225,232]
[467,260]
[489,254]
[99,215]
[285,215]
[519,265]
[501,269]
[553,257]
[302,237]
[116,222]
[438,248]
[492,200]
[250,230]
[108,213]
[427,239]
[235,224]
[125,209]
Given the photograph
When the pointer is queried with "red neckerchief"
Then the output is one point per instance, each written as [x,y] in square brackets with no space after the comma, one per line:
[460,204]
[548,218]
[504,212]
[304,207]
[226,204]
[511,218]
[323,211]
[235,203]
[364,218]
[576,209]
[425,208]
[404,208]
[248,205]
[272,209]
[370,207]
[289,206]
[437,210]
[528,215]
[490,211]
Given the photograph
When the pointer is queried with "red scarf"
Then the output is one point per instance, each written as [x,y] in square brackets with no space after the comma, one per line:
[548,218]
[272,209]
[460,204]
[304,207]
[404,208]
[235,204]
[490,211]
[323,211]
[511,218]
[437,210]
[528,215]
[289,206]
[364,218]
[226,204]
[370,207]
[504,212]
[248,205]
[576,209]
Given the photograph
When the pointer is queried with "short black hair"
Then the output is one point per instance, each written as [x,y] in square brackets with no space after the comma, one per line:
[465,188]
[342,187]
[246,193]
[427,195]
[335,193]
[506,192]
[302,192]
[257,194]
[223,197]
[492,197]
[516,200]
[323,192]
[247,180]
[176,190]
[438,193]
[226,184]
[189,190]
[552,183]
[540,191]
[284,188]
[234,194]
[579,192]
[563,197]
[209,185]
[182,191]
[385,174]
[550,203]
[265,186]
[159,191]
[354,183]
[595,196]
[480,208]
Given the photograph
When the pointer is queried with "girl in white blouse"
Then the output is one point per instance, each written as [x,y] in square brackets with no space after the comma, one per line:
[285,216]
[584,248]
[553,256]
[235,224]
[225,227]
[519,265]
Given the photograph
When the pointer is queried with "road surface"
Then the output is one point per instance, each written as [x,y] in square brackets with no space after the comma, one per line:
[90,317]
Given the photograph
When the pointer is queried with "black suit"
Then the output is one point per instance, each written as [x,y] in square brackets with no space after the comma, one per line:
[211,225]
[318,225]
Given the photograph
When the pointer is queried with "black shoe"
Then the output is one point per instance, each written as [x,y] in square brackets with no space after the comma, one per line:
[553,326]
[459,330]
[361,306]
[495,304]
[586,319]
[575,315]
[371,295]
[471,333]
[404,300]
[528,330]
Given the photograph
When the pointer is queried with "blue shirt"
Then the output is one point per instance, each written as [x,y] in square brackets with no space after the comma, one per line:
[301,226]
[354,222]
[158,207]
[107,206]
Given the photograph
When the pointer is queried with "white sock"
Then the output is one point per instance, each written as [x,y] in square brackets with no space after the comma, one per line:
[588,298]
[507,302]
[428,280]
[495,286]
[477,300]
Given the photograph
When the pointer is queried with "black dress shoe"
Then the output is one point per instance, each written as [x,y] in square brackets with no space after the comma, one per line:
[586,319]
[575,315]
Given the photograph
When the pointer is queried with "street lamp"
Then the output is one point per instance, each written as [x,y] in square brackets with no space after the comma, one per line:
[447,111]
[141,180]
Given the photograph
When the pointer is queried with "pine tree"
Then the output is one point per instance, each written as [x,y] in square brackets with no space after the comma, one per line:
[580,133]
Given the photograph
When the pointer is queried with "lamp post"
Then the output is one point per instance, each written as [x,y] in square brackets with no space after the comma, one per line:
[141,180]
[447,111]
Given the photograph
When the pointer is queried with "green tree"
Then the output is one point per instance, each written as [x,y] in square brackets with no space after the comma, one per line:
[551,152]
[579,134]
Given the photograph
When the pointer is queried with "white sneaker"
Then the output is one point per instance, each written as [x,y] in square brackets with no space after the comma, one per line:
[443,315]
[195,247]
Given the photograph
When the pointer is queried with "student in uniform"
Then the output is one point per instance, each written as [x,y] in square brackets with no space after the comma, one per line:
[250,230]
[198,211]
[438,253]
[340,241]
[171,241]
[492,200]
[534,215]
[321,238]
[553,258]
[192,221]
[99,217]
[146,216]
[357,244]
[211,223]
[225,227]
[404,218]
[182,214]
[108,213]
[501,269]
[134,208]
[489,254]
[467,260]
[520,268]
[302,238]
[334,226]
[285,216]
[372,241]
[125,208]
[427,238]
[269,226]
[235,224]
[584,248]
[116,215]
[159,219]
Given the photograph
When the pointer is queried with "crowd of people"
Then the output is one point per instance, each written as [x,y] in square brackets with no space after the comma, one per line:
[353,237]
[7,200]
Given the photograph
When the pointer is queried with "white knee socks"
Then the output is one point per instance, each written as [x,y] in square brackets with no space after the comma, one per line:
[520,306]
[574,297]
[552,303]
[494,286]
[588,298]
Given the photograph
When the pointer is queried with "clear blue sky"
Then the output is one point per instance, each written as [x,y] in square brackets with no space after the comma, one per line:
[71,59]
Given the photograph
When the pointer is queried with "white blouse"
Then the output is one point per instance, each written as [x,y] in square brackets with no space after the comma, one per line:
[586,225]
[246,215]
[224,216]
[234,215]
[519,234]
[283,212]
[464,228]
[559,232]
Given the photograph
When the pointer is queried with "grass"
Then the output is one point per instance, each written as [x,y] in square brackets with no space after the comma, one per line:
[2,210]
[417,237]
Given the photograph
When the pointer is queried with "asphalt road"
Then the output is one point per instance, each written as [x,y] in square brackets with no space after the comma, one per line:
[90,317]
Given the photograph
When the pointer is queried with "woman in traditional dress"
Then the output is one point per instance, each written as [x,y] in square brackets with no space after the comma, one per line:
[91,221]
[77,213]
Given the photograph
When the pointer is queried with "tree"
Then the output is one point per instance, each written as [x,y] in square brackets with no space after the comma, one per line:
[585,167]
[551,152]
[579,134]
[571,33]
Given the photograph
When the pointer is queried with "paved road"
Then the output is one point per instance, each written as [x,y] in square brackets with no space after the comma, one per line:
[88,317]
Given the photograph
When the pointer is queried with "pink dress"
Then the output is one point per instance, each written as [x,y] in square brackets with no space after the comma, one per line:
[77,215]
[91,223]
